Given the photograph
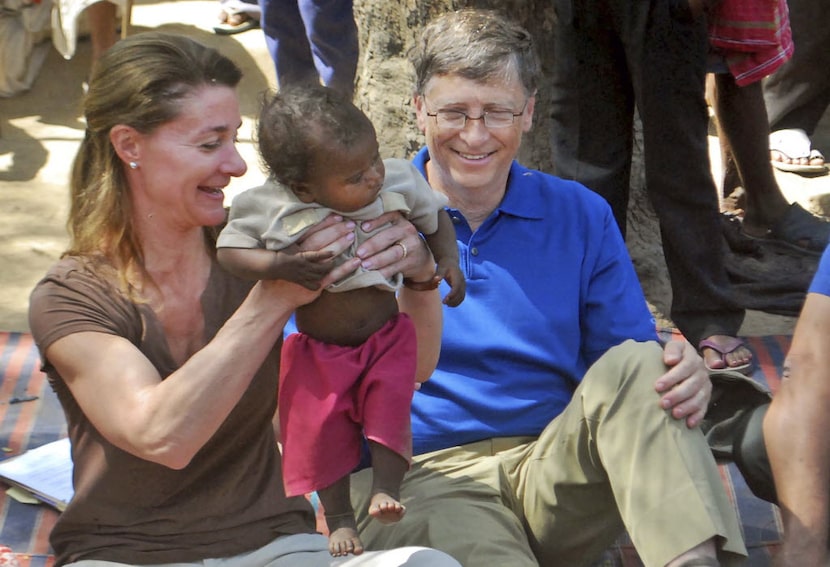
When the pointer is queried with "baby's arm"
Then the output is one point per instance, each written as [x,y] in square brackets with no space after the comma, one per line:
[445,250]
[303,268]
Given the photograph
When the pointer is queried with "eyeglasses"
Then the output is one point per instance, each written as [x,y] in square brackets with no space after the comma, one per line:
[457,119]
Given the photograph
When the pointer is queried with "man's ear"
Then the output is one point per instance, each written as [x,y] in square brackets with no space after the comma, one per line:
[126,142]
[527,117]
[420,112]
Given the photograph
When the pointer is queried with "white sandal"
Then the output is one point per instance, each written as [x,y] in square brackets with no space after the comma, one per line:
[794,144]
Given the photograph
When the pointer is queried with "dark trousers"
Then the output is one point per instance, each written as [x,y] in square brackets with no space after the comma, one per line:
[797,95]
[610,56]
[312,41]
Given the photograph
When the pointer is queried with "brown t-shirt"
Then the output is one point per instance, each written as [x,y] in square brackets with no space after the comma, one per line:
[227,501]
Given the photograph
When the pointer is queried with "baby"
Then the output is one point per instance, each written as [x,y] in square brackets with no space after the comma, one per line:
[350,370]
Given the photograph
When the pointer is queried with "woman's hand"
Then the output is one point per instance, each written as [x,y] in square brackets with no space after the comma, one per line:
[397,248]
[335,235]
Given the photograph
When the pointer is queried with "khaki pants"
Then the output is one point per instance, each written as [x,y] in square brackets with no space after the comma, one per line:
[613,460]
[307,550]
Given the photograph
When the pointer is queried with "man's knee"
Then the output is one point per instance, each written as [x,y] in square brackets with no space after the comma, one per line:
[630,368]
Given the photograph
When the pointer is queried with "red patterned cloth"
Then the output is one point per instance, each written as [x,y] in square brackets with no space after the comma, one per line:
[753,36]
[7,557]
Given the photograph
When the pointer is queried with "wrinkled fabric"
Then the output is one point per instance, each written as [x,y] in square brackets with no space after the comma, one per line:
[65,23]
[753,37]
[331,396]
[24,27]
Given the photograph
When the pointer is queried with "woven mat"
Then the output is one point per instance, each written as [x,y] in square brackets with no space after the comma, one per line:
[23,425]
[28,424]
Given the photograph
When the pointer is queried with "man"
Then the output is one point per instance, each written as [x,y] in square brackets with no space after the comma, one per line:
[795,431]
[553,421]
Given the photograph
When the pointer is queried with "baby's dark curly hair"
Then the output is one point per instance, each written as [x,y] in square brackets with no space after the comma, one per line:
[298,122]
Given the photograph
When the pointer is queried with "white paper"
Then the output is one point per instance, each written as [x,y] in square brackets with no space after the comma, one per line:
[45,471]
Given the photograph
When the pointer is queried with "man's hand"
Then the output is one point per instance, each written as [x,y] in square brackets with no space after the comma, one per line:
[685,388]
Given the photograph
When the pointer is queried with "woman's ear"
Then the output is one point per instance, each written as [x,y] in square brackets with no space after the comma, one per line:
[126,142]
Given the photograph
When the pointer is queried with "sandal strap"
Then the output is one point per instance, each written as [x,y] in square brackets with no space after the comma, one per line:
[791,142]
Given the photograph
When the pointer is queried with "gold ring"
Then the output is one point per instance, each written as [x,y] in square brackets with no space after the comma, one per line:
[403,247]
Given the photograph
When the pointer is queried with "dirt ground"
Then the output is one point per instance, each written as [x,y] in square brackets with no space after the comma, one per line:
[40,131]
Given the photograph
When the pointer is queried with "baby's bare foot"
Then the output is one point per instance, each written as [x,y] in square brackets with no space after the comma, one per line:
[345,541]
[343,536]
[386,509]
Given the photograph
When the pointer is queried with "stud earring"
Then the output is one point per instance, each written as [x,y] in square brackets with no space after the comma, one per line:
[133,165]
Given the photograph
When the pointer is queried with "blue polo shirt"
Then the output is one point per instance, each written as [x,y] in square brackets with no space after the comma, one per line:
[550,288]
[821,280]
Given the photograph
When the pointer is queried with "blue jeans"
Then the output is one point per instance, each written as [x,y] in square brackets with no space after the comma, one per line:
[312,41]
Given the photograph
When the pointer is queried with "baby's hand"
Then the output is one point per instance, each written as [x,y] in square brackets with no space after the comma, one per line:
[305,268]
[450,271]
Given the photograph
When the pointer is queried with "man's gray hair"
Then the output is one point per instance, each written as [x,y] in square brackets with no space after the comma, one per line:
[480,45]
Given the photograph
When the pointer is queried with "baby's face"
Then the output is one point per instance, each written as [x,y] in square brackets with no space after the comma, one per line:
[347,178]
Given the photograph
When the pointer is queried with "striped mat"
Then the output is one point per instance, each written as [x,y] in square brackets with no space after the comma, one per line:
[28,424]
[23,425]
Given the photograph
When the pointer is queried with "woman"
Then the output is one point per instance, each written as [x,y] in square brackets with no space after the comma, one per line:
[165,365]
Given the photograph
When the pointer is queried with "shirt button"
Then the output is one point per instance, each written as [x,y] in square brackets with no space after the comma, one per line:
[474,251]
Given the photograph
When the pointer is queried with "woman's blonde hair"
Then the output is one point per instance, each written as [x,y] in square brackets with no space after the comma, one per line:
[139,82]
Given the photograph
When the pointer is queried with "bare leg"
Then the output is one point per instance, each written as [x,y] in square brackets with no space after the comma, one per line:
[388,469]
[343,536]
[731,183]
[742,123]
[102,28]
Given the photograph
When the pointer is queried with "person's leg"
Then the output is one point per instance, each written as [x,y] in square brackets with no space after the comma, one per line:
[340,520]
[668,65]
[742,122]
[388,470]
[384,405]
[767,213]
[798,93]
[320,440]
[592,104]
[287,44]
[613,460]
[458,502]
[102,27]
[332,35]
